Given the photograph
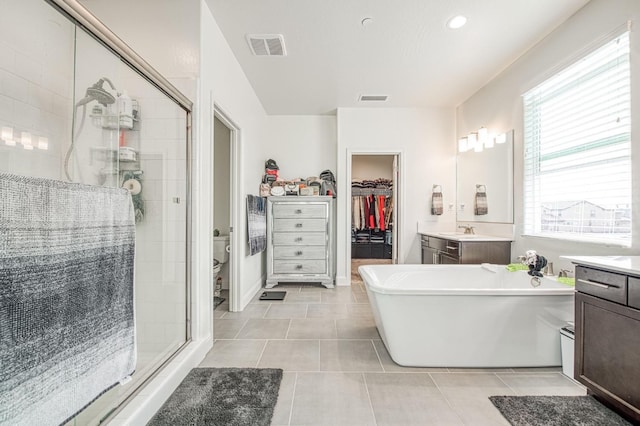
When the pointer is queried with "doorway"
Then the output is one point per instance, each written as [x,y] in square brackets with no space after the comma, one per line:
[373,210]
[224,199]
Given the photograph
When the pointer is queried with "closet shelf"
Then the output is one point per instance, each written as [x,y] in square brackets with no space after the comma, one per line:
[360,192]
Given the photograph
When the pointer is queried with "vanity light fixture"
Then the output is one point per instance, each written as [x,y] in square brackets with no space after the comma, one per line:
[26,139]
[456,22]
[481,139]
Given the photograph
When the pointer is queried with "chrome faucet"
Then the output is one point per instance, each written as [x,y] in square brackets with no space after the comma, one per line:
[468,229]
[548,270]
[563,273]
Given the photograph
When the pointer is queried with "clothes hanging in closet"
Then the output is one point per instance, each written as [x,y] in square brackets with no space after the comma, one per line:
[371,204]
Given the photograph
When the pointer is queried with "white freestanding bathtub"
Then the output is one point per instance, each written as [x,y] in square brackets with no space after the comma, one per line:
[467,315]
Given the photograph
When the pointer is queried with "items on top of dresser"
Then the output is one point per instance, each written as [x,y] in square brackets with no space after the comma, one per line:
[273,184]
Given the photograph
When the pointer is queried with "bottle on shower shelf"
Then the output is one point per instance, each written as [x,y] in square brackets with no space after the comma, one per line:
[125,111]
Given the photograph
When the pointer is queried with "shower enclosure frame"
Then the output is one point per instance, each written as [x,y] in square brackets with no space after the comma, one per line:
[80,16]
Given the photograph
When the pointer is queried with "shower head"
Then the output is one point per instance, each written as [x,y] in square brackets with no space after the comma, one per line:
[98,93]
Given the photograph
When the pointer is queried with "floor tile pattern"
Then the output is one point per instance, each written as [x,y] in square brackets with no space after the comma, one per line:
[338,372]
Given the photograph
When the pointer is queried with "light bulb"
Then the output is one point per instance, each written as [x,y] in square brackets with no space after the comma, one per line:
[457,22]
[462,145]
[7,133]
[43,142]
[25,139]
[472,141]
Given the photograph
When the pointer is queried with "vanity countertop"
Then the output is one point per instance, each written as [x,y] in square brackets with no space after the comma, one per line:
[459,236]
[624,264]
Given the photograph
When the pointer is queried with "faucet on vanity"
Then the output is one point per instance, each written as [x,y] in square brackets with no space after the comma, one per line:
[468,229]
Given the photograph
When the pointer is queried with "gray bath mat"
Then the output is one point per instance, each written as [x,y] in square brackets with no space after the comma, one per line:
[556,411]
[222,396]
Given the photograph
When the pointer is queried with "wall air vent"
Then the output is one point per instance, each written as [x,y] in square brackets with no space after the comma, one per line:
[267,44]
[372,98]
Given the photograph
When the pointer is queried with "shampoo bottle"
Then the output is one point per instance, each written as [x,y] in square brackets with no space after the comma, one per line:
[125,110]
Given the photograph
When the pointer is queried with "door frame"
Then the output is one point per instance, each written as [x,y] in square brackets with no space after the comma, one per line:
[234,209]
[398,192]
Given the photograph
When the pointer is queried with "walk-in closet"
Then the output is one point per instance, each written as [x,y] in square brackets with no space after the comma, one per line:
[372,209]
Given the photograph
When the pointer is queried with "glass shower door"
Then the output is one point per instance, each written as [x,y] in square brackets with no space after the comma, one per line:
[72,110]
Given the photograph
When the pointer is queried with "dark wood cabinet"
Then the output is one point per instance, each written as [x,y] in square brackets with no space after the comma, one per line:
[448,251]
[607,351]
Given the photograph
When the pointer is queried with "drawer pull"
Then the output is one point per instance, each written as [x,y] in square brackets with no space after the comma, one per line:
[452,248]
[298,267]
[299,239]
[299,211]
[597,284]
[299,253]
[298,225]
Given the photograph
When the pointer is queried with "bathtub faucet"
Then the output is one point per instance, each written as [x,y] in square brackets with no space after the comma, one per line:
[468,229]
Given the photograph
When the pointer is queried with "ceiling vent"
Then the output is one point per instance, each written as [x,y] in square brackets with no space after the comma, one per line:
[267,44]
[373,98]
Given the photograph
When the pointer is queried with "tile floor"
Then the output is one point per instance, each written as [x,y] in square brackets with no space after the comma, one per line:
[338,372]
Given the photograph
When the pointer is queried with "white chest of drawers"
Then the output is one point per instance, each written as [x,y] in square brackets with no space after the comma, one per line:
[300,246]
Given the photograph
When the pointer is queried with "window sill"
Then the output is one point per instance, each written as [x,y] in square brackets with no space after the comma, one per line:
[582,240]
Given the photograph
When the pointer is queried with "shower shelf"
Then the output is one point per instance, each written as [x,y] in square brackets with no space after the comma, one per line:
[112,121]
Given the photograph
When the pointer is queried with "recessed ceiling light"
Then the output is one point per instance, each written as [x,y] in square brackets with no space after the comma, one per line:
[457,22]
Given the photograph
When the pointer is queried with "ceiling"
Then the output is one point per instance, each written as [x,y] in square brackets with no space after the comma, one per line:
[405,51]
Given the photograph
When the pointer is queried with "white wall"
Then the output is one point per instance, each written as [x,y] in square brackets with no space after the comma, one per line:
[427,146]
[498,106]
[372,167]
[221,181]
[302,145]
[223,82]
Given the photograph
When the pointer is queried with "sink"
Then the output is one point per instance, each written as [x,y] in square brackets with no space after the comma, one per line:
[460,235]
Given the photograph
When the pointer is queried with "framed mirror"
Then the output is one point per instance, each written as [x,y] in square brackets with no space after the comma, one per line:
[484,183]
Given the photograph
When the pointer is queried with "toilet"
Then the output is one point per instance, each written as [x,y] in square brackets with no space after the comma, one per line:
[220,255]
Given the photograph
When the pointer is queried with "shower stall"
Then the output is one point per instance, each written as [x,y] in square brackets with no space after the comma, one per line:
[75,105]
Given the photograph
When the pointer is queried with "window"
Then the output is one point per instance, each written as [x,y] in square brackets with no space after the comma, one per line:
[577,149]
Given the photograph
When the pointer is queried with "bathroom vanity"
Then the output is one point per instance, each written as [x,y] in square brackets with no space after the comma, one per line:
[607,321]
[300,243]
[457,248]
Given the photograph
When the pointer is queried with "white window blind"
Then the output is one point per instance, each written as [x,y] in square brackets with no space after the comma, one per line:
[577,149]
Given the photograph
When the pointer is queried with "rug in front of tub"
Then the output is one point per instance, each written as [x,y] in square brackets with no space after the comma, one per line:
[556,411]
[222,396]
[66,296]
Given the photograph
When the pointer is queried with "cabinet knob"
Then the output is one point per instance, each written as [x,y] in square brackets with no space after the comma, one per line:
[299,239]
[298,267]
[299,211]
[298,225]
[299,253]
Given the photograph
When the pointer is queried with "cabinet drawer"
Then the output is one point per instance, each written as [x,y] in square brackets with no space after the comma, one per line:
[634,292]
[301,239]
[437,243]
[299,225]
[299,267]
[292,210]
[607,285]
[299,252]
